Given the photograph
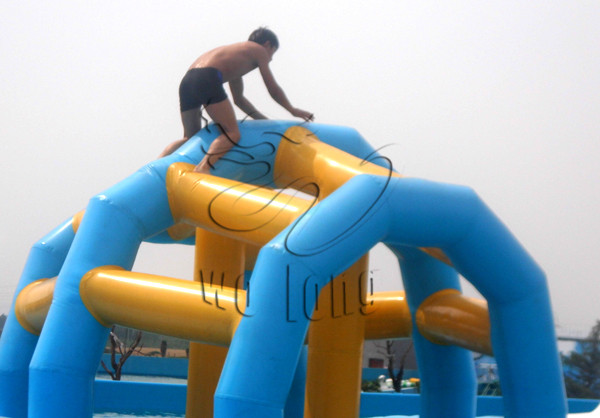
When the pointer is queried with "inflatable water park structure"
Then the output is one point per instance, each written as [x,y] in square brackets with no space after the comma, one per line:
[281,300]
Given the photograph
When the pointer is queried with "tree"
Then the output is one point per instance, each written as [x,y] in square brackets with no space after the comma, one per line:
[582,367]
[163,348]
[125,352]
[391,357]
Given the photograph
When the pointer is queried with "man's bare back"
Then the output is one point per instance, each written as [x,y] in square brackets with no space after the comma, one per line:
[235,60]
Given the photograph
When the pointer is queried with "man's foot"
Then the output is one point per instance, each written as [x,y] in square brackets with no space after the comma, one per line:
[202,168]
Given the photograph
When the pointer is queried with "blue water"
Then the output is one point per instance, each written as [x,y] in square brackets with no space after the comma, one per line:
[181,381]
[131,378]
[115,415]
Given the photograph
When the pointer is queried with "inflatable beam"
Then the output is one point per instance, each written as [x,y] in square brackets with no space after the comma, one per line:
[206,313]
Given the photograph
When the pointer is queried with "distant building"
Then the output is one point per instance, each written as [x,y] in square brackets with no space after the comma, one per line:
[486,368]
[376,354]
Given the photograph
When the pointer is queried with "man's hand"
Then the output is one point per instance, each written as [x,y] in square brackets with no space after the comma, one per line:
[299,113]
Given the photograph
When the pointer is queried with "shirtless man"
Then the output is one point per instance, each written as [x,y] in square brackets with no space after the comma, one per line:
[203,86]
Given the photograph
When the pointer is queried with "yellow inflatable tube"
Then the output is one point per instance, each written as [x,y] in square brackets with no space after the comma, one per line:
[179,308]
[303,156]
[33,303]
[199,312]
[447,317]
[238,210]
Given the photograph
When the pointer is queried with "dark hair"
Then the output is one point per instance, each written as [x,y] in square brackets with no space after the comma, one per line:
[262,35]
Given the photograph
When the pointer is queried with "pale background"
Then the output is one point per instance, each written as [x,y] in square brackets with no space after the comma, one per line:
[501,96]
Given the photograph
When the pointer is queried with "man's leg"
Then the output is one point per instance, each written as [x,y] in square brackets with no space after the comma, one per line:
[192,123]
[223,116]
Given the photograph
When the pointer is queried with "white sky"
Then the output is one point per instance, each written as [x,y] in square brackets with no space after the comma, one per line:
[501,96]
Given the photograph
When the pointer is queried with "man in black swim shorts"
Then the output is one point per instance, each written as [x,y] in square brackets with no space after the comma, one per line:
[202,87]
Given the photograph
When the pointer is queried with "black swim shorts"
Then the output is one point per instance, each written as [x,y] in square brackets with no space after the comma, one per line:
[201,86]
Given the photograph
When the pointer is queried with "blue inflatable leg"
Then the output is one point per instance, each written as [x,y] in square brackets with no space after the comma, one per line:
[69,349]
[482,250]
[448,382]
[294,406]
[322,244]
[17,344]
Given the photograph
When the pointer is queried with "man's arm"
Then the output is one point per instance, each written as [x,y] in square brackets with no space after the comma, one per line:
[277,93]
[237,92]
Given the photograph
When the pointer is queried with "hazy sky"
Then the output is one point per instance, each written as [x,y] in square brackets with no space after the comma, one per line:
[501,96]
